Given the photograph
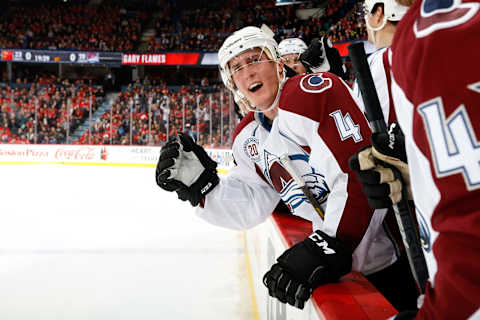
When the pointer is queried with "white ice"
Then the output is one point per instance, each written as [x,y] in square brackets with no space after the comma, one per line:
[88,242]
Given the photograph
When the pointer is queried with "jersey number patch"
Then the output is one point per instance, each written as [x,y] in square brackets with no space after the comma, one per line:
[345,126]
[454,146]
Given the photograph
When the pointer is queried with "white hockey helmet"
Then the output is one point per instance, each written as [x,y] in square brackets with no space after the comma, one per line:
[292,45]
[391,9]
[240,41]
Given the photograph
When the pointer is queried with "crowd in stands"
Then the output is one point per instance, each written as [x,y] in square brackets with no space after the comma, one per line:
[203,25]
[146,114]
[39,107]
[71,26]
[351,27]
[46,111]
[157,111]
[206,28]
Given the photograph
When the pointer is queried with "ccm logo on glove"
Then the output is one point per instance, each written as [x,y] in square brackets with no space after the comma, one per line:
[206,188]
[319,241]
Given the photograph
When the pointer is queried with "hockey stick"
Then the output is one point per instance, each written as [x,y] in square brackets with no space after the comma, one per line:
[285,161]
[377,123]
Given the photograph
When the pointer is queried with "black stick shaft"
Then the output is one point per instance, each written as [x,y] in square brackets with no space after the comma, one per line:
[377,123]
[367,87]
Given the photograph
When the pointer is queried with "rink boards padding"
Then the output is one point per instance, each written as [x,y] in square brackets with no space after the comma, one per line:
[97,155]
[353,297]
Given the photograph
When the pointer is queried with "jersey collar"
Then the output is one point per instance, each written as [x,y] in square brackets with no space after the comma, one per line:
[264,122]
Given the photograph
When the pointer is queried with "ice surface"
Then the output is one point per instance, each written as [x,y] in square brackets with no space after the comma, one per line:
[89,242]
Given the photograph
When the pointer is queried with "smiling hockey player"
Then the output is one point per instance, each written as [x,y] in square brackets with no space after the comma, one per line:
[310,123]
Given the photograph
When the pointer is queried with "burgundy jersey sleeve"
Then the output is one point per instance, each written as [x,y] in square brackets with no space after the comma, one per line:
[341,130]
[436,86]
[392,117]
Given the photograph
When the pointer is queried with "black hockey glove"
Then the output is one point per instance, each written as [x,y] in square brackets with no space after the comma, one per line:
[317,260]
[379,183]
[320,56]
[314,58]
[186,168]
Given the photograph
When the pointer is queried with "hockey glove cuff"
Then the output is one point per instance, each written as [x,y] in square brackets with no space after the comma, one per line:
[317,260]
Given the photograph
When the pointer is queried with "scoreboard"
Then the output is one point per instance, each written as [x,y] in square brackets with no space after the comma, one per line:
[54,56]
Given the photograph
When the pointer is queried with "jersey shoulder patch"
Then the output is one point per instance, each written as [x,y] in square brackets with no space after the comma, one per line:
[315,83]
[436,15]
[313,95]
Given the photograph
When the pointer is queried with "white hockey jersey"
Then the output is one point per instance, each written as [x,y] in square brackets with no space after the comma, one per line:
[380,69]
[318,149]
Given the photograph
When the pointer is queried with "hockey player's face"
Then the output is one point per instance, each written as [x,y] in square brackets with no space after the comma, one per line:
[292,60]
[255,75]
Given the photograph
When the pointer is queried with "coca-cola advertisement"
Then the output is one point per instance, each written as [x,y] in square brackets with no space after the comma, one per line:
[75,154]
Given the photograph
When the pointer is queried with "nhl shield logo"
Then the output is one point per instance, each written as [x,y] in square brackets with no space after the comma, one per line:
[250,147]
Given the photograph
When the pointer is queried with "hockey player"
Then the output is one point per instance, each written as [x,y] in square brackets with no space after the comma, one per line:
[320,56]
[290,50]
[381,18]
[347,233]
[436,108]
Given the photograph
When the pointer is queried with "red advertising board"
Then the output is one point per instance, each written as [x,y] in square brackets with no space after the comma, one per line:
[160,59]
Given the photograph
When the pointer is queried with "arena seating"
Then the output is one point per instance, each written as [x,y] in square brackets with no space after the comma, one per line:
[52,110]
[198,112]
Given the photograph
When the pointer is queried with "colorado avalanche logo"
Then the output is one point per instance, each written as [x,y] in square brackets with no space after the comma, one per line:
[424,232]
[291,194]
[250,147]
[436,15]
[294,197]
[315,83]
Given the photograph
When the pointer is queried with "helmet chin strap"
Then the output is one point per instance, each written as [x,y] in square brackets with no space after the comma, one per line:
[374,30]
[251,107]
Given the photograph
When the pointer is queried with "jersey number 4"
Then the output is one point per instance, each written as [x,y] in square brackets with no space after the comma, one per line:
[345,126]
[454,146]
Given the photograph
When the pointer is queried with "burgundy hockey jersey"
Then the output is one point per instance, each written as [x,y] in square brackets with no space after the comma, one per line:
[436,87]
[319,126]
